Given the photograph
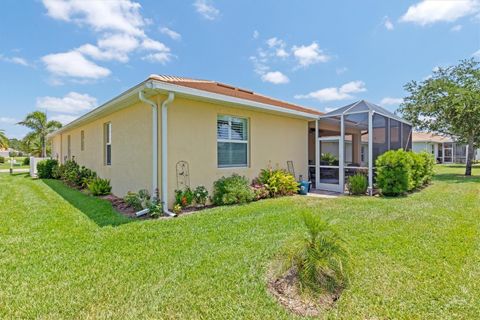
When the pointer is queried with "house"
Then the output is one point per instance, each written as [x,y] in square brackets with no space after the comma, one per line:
[445,149]
[169,132]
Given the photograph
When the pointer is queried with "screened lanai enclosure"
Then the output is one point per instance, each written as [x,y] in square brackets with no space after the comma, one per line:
[349,140]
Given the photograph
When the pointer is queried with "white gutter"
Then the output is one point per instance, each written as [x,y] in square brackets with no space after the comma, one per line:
[154,106]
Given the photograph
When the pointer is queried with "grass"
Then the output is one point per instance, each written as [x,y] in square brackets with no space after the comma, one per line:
[414,257]
[18,165]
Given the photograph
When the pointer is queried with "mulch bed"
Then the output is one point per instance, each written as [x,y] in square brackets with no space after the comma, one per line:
[286,290]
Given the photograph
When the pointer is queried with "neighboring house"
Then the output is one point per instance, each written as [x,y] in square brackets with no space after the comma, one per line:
[445,149]
[168,132]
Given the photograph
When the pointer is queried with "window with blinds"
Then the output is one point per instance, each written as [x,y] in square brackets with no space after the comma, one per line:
[232,141]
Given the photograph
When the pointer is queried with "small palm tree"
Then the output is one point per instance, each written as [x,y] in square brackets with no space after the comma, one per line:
[37,121]
[3,140]
[320,258]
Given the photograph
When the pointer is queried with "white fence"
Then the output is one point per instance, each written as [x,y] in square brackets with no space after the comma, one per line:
[33,165]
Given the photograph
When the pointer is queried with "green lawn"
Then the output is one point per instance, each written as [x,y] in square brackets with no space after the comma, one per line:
[18,165]
[416,257]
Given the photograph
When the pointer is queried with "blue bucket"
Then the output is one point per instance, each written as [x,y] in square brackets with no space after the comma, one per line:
[304,187]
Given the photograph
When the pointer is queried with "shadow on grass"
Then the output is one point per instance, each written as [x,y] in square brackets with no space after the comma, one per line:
[98,210]
[455,178]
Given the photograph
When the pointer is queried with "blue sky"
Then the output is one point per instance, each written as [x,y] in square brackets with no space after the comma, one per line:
[68,57]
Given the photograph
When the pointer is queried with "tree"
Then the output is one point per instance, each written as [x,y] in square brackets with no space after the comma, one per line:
[3,140]
[448,103]
[41,127]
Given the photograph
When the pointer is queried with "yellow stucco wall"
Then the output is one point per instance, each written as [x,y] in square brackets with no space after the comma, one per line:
[131,148]
[192,133]
[192,125]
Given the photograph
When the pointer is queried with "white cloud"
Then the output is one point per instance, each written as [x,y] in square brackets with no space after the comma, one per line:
[71,103]
[275,77]
[206,9]
[119,16]
[329,109]
[15,60]
[63,118]
[387,23]
[256,34]
[456,28]
[172,34]
[307,55]
[389,101]
[73,64]
[476,54]
[121,32]
[8,120]
[335,94]
[428,12]
[161,57]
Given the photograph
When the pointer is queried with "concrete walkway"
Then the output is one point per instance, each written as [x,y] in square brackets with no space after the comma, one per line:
[324,194]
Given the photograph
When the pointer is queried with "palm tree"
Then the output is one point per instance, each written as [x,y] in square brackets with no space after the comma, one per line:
[37,121]
[3,140]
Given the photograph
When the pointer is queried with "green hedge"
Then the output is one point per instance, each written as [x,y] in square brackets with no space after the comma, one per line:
[400,171]
[45,168]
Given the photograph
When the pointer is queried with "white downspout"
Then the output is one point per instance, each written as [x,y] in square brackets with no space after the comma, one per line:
[154,106]
[165,104]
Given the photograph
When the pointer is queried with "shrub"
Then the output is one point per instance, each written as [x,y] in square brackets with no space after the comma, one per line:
[417,171]
[58,172]
[2,159]
[232,190]
[200,195]
[99,187]
[12,154]
[26,161]
[133,200]
[260,191]
[184,197]
[394,172]
[71,173]
[278,182]
[319,258]
[357,184]
[45,168]
[429,164]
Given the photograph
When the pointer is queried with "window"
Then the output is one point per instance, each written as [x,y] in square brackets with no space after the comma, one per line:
[232,142]
[69,149]
[107,133]
[82,140]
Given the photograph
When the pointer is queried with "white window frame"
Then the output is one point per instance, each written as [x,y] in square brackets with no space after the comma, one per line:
[247,141]
[108,142]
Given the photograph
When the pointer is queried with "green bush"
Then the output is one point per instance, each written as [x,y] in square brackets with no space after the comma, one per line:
[99,187]
[85,175]
[429,164]
[200,195]
[184,198]
[357,184]
[45,168]
[26,161]
[394,172]
[278,182]
[58,172]
[2,159]
[133,200]
[260,191]
[329,159]
[417,171]
[319,258]
[232,190]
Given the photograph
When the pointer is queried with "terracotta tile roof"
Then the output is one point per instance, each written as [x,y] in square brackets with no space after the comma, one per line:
[228,90]
[429,137]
